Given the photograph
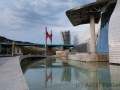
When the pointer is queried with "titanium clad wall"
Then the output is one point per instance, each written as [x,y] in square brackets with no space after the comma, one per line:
[84,36]
[114,35]
[102,42]
[81,47]
[81,40]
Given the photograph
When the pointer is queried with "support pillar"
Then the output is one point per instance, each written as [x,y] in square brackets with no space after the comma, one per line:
[0,48]
[20,50]
[16,50]
[47,35]
[13,48]
[92,30]
[49,49]
[45,45]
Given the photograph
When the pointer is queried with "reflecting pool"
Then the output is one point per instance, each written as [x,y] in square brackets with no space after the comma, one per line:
[61,74]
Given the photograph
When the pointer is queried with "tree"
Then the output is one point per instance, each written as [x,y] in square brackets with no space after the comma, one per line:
[4,51]
[32,51]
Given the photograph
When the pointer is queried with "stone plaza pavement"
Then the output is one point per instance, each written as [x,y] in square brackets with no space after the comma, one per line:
[11,76]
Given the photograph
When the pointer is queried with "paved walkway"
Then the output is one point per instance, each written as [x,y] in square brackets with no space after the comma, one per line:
[4,59]
[11,76]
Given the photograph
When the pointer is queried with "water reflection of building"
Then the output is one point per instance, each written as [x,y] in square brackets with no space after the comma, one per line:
[92,75]
[115,76]
[66,71]
[31,63]
[61,59]
[104,78]
[66,74]
[48,62]
[37,77]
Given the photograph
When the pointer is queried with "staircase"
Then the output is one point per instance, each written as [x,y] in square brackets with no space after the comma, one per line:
[63,53]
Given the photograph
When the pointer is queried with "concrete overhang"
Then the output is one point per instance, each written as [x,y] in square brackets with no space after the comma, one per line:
[81,14]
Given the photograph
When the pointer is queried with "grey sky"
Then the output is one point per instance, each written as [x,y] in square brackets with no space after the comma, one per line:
[26,20]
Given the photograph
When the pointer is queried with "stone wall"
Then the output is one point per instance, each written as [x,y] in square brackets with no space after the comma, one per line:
[89,57]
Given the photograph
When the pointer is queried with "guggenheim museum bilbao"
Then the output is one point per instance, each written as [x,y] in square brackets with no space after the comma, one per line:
[103,34]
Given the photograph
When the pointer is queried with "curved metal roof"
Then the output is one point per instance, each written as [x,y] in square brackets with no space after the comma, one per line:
[81,14]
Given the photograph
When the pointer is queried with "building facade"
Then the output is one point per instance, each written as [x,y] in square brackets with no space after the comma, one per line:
[107,38]
[65,36]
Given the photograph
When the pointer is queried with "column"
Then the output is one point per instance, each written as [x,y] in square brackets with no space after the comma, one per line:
[0,48]
[16,50]
[92,30]
[13,48]
[20,50]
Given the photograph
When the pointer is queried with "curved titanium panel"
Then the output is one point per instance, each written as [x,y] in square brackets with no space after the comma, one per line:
[114,35]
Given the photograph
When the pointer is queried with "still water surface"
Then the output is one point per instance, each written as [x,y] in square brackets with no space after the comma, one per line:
[54,74]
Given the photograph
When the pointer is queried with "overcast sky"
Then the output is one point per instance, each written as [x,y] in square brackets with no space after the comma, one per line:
[25,20]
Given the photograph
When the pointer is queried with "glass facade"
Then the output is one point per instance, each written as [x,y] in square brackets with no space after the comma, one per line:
[66,37]
[102,41]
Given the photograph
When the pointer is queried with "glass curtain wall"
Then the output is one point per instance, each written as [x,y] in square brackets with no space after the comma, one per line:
[102,42]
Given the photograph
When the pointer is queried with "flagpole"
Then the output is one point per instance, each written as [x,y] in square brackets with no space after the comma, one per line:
[45,40]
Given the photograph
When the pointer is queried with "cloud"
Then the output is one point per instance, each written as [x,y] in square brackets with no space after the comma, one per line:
[28,18]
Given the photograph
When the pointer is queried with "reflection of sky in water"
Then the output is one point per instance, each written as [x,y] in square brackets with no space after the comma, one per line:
[66,77]
[57,63]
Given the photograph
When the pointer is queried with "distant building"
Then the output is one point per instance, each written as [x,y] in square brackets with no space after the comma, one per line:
[65,36]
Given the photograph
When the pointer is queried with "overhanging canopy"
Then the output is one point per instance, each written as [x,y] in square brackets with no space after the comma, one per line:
[81,15]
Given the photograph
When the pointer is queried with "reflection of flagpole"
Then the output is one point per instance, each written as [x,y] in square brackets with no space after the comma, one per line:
[51,75]
[47,77]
